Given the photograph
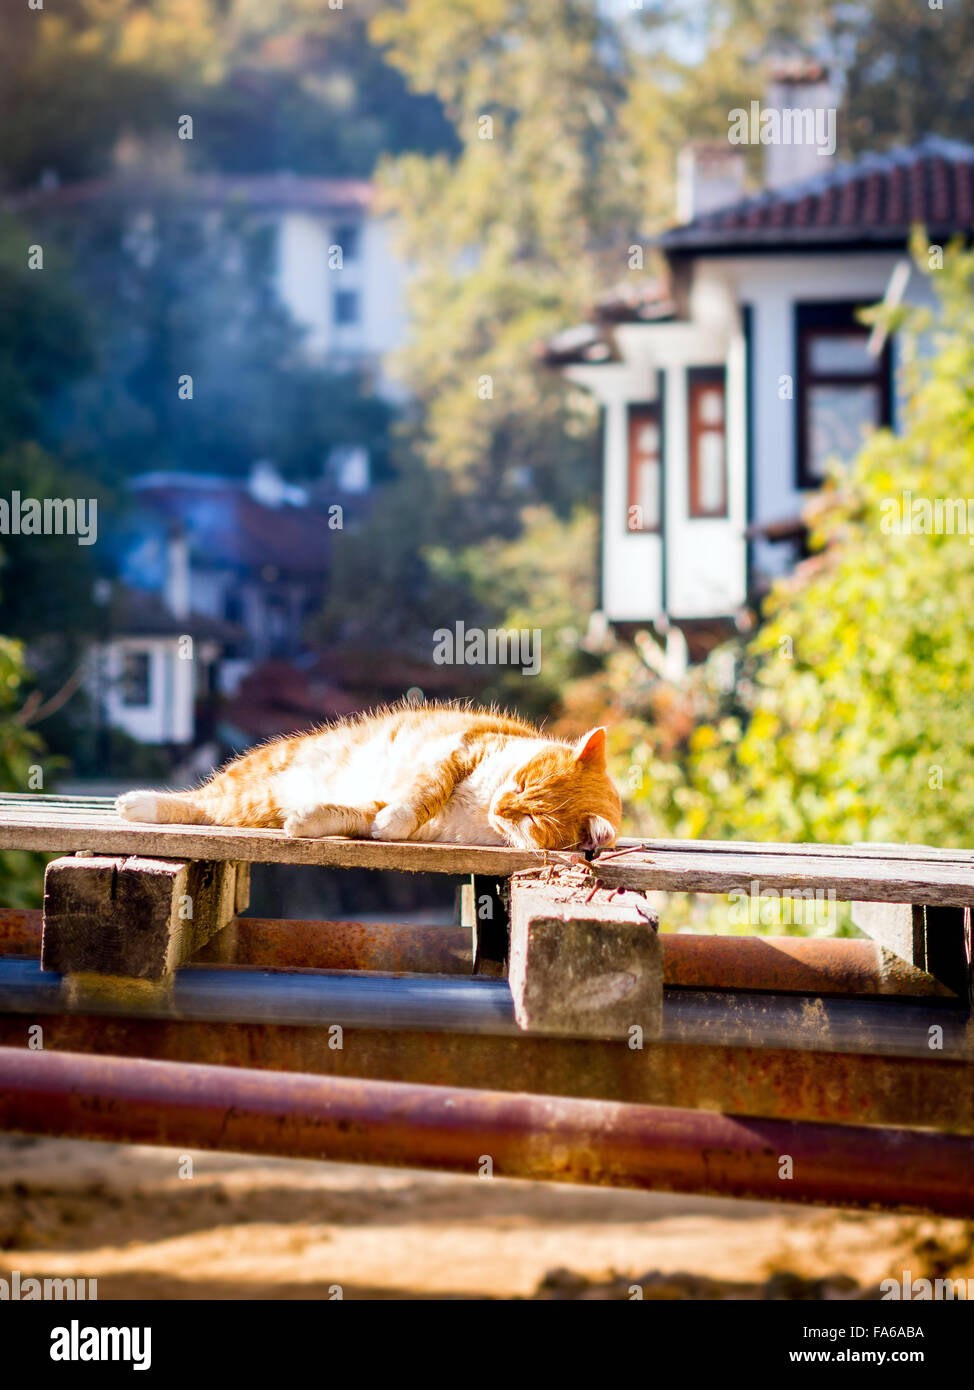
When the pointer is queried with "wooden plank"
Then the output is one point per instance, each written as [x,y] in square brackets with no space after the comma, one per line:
[873,849]
[897,926]
[136,918]
[25,808]
[871,880]
[584,963]
[866,873]
[49,829]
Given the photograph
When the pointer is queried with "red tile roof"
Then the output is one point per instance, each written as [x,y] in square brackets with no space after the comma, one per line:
[876,199]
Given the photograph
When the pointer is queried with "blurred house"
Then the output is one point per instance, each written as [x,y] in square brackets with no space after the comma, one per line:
[207,642]
[226,569]
[239,563]
[156,672]
[728,387]
[331,255]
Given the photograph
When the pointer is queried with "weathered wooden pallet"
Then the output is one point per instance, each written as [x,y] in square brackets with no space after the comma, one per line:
[895,874]
[913,899]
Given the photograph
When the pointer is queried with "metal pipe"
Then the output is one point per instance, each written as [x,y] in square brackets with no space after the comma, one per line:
[843,1088]
[483,1006]
[792,964]
[391,947]
[785,964]
[271,943]
[351,1121]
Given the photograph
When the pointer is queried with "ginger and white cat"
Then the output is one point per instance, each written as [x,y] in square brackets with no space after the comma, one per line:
[440,773]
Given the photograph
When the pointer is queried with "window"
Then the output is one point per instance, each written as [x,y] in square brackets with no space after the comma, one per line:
[136,685]
[706,400]
[645,454]
[346,235]
[843,392]
[346,307]
[262,249]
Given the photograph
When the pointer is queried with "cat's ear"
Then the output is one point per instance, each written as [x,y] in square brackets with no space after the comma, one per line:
[601,832]
[590,749]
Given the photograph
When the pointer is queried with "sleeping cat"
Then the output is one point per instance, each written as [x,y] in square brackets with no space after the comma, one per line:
[440,772]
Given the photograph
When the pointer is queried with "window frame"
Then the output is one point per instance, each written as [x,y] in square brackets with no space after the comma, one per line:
[355,297]
[701,378]
[128,654]
[352,255]
[832,319]
[637,414]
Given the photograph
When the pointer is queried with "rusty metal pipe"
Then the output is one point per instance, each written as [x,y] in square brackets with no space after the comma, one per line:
[291,943]
[448,1004]
[351,1121]
[788,1084]
[786,964]
[392,947]
[792,965]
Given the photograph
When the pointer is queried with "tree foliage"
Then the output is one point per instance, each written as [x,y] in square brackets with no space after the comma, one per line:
[286,84]
[509,238]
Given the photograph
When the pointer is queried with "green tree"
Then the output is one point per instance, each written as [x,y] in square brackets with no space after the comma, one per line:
[21,753]
[909,71]
[541,582]
[178,309]
[45,581]
[508,239]
[284,85]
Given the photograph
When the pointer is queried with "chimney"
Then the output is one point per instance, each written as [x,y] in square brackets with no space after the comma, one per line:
[708,176]
[176,591]
[801,92]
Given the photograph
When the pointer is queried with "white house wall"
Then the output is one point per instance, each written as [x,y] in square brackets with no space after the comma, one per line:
[705,559]
[307,284]
[169,715]
[302,276]
[631,560]
[772,285]
[706,571]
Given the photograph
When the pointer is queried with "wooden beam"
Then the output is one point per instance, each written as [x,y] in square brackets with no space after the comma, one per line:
[47,824]
[584,962]
[897,926]
[872,873]
[846,878]
[930,938]
[135,918]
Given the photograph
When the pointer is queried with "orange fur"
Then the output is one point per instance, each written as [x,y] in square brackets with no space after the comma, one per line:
[437,772]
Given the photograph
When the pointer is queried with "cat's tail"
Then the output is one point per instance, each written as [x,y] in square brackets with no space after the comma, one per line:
[161,808]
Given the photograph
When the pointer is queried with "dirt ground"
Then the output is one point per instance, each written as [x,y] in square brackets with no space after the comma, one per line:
[256,1228]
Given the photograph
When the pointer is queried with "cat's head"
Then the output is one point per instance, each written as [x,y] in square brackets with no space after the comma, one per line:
[562,798]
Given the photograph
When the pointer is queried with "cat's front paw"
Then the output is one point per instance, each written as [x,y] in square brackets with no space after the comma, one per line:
[142,806]
[313,824]
[394,823]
